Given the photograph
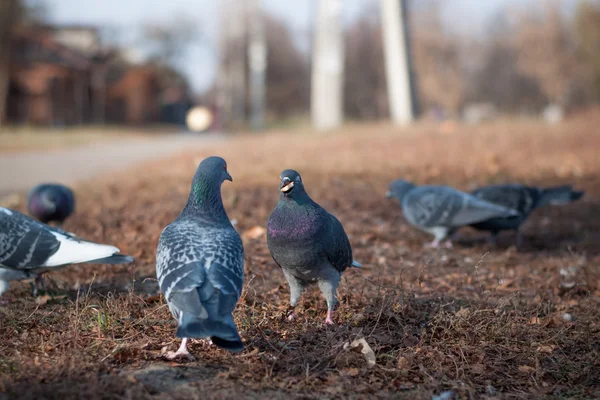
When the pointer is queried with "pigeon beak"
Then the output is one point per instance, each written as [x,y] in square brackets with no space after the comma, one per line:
[286,185]
[228,177]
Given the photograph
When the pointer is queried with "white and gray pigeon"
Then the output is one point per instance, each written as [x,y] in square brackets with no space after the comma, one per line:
[200,264]
[440,210]
[524,199]
[28,248]
[308,243]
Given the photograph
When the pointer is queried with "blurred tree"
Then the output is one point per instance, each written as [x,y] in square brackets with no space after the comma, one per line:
[587,33]
[166,42]
[545,50]
[327,76]
[287,74]
[437,59]
[364,78]
[13,14]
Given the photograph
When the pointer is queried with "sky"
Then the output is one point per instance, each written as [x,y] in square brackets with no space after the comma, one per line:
[125,17]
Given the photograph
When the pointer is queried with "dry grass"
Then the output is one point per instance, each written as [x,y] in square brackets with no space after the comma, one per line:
[481,321]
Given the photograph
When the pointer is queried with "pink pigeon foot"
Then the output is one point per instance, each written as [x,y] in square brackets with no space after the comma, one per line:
[181,353]
[291,316]
[329,319]
[433,245]
[448,244]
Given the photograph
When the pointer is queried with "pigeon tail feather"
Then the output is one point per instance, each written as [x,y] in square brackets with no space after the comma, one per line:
[559,195]
[234,346]
[224,331]
[114,259]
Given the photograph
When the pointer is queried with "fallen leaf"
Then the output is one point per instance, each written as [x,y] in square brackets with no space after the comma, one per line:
[403,363]
[526,369]
[254,232]
[548,349]
[477,368]
[44,299]
[362,346]
[350,372]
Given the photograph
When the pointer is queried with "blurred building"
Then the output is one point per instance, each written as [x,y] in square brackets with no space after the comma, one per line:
[63,76]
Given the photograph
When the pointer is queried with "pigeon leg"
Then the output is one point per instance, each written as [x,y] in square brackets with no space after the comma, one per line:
[329,319]
[296,289]
[448,244]
[37,282]
[519,239]
[182,352]
[328,286]
[3,286]
[435,244]
[492,240]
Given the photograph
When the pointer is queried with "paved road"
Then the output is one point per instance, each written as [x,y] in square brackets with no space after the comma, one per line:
[20,171]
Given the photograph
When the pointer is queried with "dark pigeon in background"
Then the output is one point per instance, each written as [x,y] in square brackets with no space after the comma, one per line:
[307,242]
[51,203]
[524,199]
[29,248]
[200,264]
[440,210]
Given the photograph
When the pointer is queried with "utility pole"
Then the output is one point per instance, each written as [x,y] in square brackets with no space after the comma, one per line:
[328,67]
[257,56]
[397,63]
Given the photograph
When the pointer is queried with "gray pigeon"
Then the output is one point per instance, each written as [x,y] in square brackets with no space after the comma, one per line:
[29,248]
[440,210]
[308,243]
[50,202]
[524,199]
[200,264]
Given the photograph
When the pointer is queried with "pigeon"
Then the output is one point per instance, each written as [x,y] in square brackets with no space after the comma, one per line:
[440,210]
[522,198]
[200,264]
[308,243]
[28,248]
[51,203]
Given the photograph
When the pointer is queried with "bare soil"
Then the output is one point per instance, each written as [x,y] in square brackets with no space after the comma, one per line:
[479,321]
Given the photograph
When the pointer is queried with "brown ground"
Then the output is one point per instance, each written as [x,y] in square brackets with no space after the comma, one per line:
[477,320]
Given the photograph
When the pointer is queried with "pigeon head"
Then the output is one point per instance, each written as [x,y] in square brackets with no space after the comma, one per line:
[51,202]
[213,169]
[399,188]
[205,194]
[291,184]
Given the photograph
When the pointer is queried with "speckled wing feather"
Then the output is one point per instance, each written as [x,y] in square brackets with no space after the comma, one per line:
[24,243]
[430,206]
[336,244]
[194,260]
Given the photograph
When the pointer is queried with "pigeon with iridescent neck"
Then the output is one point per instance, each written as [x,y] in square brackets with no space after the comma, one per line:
[51,202]
[308,243]
[200,264]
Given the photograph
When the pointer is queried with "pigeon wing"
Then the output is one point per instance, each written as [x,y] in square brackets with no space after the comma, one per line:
[24,243]
[336,244]
[475,210]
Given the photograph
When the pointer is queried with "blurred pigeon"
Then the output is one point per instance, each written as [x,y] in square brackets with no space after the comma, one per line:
[29,248]
[522,198]
[51,203]
[200,264]
[440,210]
[307,242]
